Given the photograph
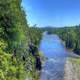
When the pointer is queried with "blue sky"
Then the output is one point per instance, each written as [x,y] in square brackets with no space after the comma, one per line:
[57,13]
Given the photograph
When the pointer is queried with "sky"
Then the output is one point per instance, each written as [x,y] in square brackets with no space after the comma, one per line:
[56,13]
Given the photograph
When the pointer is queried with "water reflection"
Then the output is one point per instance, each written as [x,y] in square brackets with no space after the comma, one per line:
[53,48]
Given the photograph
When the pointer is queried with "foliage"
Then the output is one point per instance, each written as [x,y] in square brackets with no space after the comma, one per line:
[16,62]
[10,69]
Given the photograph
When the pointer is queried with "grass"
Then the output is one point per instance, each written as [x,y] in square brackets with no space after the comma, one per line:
[76,65]
[75,60]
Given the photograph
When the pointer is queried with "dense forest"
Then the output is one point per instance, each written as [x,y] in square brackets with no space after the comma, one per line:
[69,35]
[18,43]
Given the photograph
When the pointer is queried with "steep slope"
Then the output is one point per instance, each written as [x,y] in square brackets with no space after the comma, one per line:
[16,61]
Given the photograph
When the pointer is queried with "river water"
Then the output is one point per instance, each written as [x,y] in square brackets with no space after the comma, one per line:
[54,50]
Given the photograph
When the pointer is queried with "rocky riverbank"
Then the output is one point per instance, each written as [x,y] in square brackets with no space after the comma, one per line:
[72,69]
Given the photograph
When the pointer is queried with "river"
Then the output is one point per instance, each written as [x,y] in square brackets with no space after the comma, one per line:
[54,50]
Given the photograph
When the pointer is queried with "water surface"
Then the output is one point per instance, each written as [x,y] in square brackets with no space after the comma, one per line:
[56,53]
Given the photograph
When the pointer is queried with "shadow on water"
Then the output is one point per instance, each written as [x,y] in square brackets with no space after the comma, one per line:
[53,49]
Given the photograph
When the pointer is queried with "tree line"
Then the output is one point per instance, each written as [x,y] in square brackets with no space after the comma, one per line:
[16,38]
[70,35]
